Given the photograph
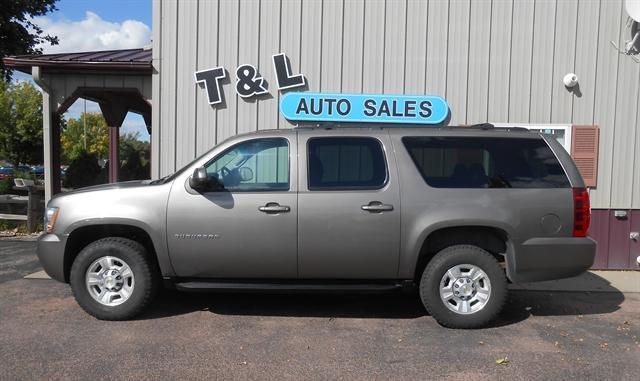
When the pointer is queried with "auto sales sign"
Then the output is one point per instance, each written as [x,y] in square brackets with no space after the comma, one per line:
[364,108]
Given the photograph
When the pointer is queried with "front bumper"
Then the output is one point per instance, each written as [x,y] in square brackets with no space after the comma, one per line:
[539,259]
[51,254]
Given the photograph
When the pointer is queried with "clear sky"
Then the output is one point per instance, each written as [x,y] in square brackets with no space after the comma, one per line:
[112,10]
[90,25]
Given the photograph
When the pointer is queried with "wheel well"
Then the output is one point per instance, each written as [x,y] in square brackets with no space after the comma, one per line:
[81,237]
[491,239]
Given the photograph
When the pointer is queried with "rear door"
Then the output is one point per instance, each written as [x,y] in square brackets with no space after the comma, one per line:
[349,206]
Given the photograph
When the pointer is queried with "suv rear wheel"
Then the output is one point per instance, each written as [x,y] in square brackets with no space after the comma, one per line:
[463,286]
[113,278]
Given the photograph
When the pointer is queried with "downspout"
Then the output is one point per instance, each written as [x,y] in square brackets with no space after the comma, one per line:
[36,73]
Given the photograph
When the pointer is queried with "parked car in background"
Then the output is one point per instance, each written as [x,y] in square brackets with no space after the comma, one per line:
[6,173]
[37,171]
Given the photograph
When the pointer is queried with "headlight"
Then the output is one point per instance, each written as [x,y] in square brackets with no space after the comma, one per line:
[50,216]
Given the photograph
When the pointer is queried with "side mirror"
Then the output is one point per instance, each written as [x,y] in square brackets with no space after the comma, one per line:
[199,179]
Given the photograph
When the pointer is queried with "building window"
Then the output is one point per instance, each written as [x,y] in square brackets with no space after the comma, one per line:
[562,132]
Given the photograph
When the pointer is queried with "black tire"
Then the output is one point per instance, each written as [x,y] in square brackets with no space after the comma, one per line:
[447,259]
[145,273]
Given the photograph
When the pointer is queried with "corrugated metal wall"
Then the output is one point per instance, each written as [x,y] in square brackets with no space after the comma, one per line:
[498,61]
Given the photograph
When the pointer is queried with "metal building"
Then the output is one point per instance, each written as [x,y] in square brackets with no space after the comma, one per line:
[566,67]
[500,61]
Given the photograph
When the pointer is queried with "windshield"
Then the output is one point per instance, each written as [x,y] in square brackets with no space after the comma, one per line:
[171,177]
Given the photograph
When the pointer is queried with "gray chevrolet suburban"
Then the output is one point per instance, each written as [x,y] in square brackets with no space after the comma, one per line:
[456,212]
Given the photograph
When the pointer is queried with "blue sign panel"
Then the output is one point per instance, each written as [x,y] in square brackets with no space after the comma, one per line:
[320,107]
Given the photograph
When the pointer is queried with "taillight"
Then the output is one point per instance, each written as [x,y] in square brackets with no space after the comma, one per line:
[581,212]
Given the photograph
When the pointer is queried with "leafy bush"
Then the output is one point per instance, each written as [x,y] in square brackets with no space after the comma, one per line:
[25,175]
[83,171]
[133,169]
[6,186]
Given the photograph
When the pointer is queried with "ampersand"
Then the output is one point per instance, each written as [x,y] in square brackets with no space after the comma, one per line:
[248,82]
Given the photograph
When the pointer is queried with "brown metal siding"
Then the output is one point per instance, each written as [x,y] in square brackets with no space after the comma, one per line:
[615,250]
[634,250]
[599,231]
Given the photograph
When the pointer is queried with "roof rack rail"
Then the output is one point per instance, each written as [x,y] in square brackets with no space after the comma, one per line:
[513,128]
[483,126]
[490,126]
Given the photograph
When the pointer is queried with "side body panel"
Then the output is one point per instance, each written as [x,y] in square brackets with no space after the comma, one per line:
[337,239]
[223,234]
[517,212]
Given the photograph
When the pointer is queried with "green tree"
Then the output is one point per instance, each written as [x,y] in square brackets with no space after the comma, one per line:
[18,34]
[20,123]
[75,139]
[134,157]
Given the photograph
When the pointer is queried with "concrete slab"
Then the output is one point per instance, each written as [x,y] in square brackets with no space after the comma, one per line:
[38,275]
[591,281]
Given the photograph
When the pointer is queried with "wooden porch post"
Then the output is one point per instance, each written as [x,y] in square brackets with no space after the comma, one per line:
[114,157]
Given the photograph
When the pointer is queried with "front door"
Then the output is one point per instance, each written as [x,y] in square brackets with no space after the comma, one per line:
[349,206]
[247,229]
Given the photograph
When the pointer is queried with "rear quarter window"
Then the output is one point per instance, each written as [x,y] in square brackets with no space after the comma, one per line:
[486,162]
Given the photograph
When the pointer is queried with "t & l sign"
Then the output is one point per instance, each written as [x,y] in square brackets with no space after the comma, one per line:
[249,83]
[324,107]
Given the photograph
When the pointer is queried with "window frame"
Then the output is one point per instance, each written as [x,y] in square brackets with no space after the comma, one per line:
[231,148]
[344,188]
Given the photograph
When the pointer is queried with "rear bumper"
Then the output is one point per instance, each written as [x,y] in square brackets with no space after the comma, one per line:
[51,254]
[539,259]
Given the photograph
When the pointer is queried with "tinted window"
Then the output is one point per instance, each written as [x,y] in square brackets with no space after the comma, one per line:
[255,165]
[451,162]
[346,163]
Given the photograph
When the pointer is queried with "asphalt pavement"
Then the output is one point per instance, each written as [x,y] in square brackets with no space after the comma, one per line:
[540,336]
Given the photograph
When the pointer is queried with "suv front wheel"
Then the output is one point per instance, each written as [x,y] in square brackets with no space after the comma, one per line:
[463,286]
[113,278]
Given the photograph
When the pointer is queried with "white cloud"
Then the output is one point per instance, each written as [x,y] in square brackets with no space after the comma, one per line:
[93,33]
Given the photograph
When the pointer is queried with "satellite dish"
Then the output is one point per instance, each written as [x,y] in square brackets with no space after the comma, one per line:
[633,9]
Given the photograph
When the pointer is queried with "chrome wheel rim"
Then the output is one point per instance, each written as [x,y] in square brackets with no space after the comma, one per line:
[465,289]
[109,281]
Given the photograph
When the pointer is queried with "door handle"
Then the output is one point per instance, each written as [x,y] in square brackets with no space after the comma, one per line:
[377,207]
[274,207]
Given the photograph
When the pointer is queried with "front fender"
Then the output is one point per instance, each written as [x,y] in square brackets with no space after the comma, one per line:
[156,235]
[143,207]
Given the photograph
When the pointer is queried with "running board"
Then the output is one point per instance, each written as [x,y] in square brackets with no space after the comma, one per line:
[213,286]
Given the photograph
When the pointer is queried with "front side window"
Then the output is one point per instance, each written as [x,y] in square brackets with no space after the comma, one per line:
[456,162]
[346,164]
[254,165]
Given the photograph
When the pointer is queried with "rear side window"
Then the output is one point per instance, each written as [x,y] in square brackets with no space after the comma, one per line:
[345,164]
[452,162]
